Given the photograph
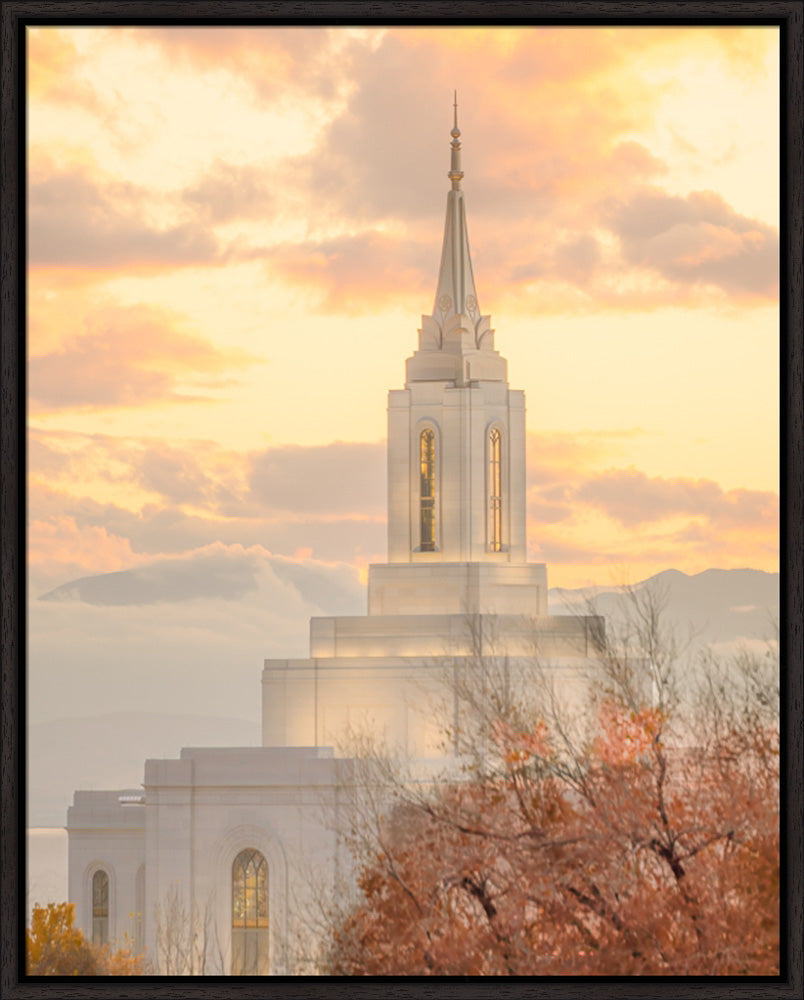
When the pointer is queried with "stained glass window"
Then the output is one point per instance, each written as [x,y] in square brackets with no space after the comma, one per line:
[249,914]
[495,491]
[427,490]
[100,907]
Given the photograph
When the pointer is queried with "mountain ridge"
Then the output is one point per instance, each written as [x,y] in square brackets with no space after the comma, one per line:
[107,747]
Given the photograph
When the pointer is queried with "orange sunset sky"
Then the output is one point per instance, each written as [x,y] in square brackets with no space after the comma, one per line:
[232,234]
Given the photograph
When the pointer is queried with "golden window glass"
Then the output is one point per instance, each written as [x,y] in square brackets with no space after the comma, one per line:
[250,914]
[495,491]
[427,491]
[100,907]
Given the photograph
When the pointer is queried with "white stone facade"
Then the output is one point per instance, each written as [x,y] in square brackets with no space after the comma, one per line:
[172,852]
[456,570]
[106,835]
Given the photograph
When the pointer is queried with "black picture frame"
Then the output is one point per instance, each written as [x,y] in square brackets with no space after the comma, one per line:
[788,15]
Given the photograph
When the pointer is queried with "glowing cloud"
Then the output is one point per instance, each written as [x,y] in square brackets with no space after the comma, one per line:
[127,356]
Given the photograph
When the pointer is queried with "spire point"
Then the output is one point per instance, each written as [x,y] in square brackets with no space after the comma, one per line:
[455,293]
[455,173]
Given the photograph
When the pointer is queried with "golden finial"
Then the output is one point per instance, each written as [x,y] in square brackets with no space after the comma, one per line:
[455,174]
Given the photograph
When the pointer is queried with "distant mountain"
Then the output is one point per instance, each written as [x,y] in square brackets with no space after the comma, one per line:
[218,574]
[717,605]
[109,751]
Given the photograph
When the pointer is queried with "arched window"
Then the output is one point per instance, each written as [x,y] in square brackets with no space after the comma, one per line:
[249,914]
[427,491]
[100,907]
[495,491]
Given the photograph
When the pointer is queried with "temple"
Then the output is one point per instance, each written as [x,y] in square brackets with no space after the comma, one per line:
[223,836]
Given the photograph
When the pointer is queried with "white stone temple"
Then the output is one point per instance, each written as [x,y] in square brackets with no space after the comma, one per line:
[225,833]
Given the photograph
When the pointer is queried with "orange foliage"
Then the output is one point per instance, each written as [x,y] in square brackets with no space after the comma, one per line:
[54,947]
[628,858]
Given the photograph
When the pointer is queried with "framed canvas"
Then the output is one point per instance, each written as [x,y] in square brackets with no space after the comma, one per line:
[223,235]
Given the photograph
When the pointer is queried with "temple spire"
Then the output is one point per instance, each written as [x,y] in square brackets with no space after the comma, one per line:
[455,293]
[455,172]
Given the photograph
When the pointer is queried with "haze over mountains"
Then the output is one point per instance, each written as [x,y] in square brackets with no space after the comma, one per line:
[717,607]
[137,664]
[214,572]
[109,751]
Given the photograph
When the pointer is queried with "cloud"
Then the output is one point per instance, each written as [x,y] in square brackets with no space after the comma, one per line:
[564,477]
[184,651]
[52,61]
[333,480]
[633,160]
[44,458]
[728,545]
[525,160]
[367,198]
[270,60]
[378,162]
[584,519]
[217,572]
[197,473]
[536,210]
[542,511]
[215,575]
[356,273]
[697,239]
[556,552]
[59,546]
[633,498]
[558,457]
[74,536]
[77,222]
[383,153]
[339,478]
[577,258]
[229,191]
[380,154]
[175,474]
[127,356]
[328,499]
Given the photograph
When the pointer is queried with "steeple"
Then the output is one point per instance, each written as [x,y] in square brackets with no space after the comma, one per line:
[456,343]
[455,292]
[456,432]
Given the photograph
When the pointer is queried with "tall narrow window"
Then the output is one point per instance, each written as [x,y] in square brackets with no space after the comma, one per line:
[100,907]
[495,491]
[427,490]
[250,914]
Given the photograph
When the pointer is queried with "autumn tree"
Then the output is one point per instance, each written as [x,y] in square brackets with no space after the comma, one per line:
[640,838]
[55,947]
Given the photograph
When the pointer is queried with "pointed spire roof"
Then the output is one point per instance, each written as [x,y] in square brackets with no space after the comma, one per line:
[455,292]
[456,343]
